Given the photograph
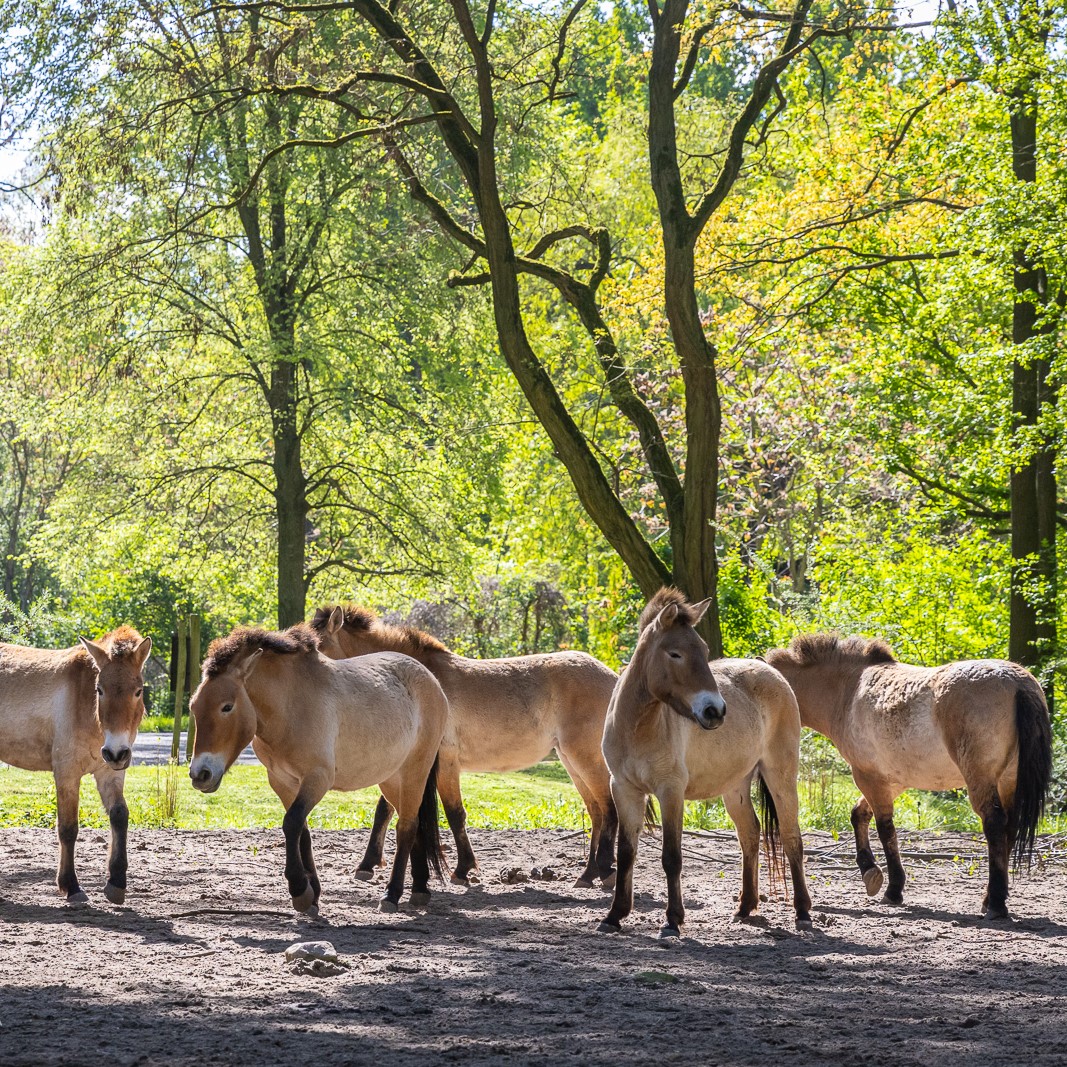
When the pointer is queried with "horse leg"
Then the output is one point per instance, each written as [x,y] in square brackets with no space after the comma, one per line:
[456,814]
[999,827]
[781,783]
[372,858]
[880,796]
[738,803]
[597,819]
[630,804]
[299,863]
[420,873]
[672,811]
[67,786]
[109,785]
[406,799]
[871,873]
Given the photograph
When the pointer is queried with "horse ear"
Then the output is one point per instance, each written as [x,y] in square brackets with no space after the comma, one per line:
[700,609]
[98,652]
[140,653]
[248,665]
[336,620]
[666,617]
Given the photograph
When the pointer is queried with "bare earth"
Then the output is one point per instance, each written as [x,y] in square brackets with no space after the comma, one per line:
[192,970]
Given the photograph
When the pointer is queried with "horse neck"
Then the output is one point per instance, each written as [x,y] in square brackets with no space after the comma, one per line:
[389,640]
[268,689]
[634,706]
[824,692]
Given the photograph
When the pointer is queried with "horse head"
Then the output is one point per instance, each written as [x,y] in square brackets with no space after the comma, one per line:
[673,659]
[225,719]
[119,658]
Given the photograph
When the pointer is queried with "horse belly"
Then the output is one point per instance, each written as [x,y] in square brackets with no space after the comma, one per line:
[363,759]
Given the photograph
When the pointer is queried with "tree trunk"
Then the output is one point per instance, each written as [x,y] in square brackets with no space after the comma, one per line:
[1032,614]
[290,488]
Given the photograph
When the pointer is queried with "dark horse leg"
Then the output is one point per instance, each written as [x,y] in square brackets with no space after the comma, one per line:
[739,807]
[630,804]
[672,809]
[456,814]
[372,858]
[109,785]
[67,830]
[879,795]
[595,790]
[871,873]
[1000,828]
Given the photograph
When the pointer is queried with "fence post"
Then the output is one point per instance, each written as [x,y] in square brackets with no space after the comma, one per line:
[194,675]
[179,690]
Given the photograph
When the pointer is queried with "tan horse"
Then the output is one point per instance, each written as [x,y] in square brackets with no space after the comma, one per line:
[75,711]
[680,730]
[318,725]
[982,724]
[505,715]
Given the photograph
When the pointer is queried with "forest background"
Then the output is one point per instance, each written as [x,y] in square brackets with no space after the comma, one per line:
[495,317]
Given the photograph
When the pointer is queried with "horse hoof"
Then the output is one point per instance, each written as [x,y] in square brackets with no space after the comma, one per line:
[609,928]
[459,879]
[78,899]
[609,882]
[895,900]
[305,901]
[312,912]
[667,932]
[420,900]
[872,880]
[583,883]
[114,894]
[364,875]
[998,913]
[386,906]
[805,924]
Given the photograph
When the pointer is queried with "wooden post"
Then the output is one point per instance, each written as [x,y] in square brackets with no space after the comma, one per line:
[194,678]
[179,690]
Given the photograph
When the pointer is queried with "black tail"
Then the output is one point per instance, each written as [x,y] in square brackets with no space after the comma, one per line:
[429,830]
[772,837]
[1035,769]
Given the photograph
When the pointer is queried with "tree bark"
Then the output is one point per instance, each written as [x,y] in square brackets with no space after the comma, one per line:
[1032,612]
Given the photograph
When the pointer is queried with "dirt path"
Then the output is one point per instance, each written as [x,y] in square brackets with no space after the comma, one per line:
[192,971]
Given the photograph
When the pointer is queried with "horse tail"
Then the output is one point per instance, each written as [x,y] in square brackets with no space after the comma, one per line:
[429,828]
[651,815]
[1034,775]
[772,835]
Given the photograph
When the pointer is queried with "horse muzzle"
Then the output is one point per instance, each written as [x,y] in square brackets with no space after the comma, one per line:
[709,711]
[205,775]
[117,757]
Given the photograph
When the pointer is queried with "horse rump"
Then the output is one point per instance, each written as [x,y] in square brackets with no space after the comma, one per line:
[1034,776]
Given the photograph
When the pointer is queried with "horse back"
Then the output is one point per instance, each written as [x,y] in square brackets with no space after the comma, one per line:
[47,707]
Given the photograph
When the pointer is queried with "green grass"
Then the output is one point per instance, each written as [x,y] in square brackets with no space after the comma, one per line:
[539,797]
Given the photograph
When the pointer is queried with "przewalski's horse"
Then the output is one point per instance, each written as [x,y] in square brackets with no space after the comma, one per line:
[982,724]
[75,711]
[317,725]
[505,715]
[681,729]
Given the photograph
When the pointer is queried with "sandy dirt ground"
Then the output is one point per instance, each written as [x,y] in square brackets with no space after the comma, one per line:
[192,970]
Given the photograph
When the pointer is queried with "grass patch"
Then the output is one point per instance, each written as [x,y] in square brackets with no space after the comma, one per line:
[541,796]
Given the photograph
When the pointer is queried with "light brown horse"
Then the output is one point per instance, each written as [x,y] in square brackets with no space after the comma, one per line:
[505,714]
[75,711]
[681,729]
[982,724]
[318,725]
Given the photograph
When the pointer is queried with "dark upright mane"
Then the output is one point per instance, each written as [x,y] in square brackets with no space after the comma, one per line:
[807,650]
[668,595]
[362,620]
[121,642]
[223,651]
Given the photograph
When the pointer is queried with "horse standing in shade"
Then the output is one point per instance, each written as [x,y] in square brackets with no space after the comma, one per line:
[681,729]
[75,711]
[505,715]
[317,725]
[982,724]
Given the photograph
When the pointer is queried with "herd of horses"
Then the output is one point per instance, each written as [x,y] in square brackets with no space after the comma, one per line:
[349,701]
